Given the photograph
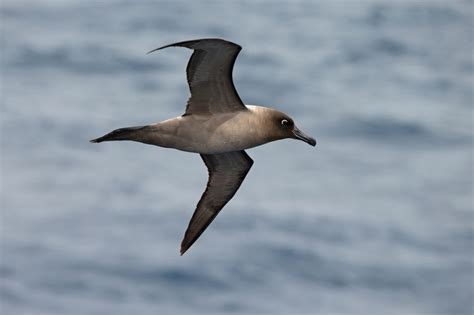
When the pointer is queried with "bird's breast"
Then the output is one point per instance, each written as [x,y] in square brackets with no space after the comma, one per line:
[219,133]
[211,133]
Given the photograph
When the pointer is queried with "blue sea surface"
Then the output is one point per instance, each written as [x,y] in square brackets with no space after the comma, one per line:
[376,219]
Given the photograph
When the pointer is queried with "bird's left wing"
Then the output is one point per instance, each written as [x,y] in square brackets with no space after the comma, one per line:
[226,173]
[209,74]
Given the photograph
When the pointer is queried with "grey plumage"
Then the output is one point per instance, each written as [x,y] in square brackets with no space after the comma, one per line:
[217,125]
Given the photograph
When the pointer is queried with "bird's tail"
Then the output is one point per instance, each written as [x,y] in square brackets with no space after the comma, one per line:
[129,133]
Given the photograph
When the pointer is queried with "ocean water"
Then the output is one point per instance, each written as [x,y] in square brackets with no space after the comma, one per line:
[376,219]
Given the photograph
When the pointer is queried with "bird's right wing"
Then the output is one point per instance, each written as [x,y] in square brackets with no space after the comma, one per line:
[226,173]
[209,74]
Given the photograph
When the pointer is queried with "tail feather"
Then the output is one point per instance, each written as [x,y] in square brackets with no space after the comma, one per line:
[129,133]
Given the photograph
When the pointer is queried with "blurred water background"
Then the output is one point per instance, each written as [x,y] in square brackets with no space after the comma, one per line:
[377,219]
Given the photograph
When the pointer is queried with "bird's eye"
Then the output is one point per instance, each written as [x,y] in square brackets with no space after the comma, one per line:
[284,122]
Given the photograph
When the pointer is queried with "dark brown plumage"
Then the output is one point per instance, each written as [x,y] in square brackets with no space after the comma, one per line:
[226,173]
[217,125]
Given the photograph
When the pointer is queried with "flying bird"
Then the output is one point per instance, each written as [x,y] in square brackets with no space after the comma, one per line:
[217,125]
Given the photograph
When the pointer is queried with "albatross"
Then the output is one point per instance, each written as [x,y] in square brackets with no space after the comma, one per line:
[217,125]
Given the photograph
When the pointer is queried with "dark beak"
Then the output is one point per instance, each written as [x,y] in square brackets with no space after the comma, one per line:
[304,137]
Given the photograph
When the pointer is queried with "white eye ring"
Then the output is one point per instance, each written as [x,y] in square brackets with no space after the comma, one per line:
[284,122]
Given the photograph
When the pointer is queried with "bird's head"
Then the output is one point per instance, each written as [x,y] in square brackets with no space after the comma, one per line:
[285,128]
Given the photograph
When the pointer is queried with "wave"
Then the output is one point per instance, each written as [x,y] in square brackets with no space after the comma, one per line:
[386,129]
[88,59]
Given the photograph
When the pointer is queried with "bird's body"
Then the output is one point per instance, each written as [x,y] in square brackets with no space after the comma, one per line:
[217,125]
[206,133]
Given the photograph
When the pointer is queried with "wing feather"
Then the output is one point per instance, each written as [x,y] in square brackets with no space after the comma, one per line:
[209,75]
[226,173]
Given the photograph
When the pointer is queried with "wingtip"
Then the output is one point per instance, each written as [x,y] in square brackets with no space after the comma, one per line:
[191,44]
[94,141]
[154,50]
[184,248]
[162,47]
